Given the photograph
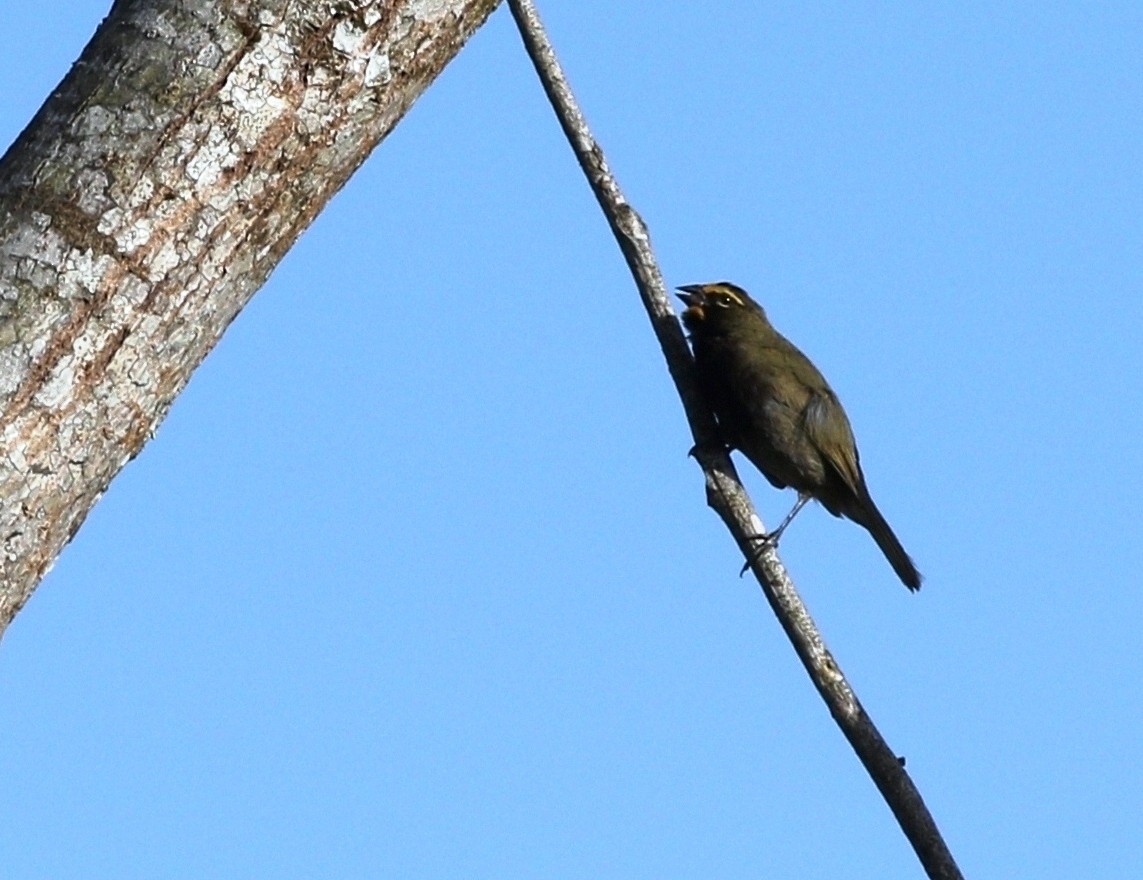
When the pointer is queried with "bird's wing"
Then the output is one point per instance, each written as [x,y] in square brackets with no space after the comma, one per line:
[829,431]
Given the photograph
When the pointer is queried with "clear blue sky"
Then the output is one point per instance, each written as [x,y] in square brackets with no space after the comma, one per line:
[416,580]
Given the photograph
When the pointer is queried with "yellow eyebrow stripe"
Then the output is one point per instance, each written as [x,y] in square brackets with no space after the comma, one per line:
[727,291]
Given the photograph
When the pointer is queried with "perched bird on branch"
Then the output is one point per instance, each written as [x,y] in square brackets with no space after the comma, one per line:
[774,406]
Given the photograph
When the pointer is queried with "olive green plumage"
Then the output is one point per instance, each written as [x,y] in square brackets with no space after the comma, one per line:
[774,406]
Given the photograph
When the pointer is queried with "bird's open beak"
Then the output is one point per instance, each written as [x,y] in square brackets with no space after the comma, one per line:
[692,295]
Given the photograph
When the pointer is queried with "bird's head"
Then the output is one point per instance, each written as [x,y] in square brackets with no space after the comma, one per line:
[711,307]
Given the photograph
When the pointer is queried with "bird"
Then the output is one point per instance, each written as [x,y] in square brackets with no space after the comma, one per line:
[775,407]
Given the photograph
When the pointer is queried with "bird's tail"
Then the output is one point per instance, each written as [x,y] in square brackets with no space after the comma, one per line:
[870,517]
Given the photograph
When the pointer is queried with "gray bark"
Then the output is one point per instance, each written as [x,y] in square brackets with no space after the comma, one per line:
[150,198]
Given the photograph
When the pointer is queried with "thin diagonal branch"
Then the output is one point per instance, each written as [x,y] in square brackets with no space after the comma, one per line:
[724,491]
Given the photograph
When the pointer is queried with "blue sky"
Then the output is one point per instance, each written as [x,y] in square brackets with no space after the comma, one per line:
[416,580]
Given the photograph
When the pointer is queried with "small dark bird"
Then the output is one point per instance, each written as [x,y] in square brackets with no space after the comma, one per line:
[774,406]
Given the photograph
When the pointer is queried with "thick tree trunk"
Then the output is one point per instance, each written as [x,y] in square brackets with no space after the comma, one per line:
[150,198]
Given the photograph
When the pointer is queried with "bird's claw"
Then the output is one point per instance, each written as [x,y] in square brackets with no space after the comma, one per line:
[707,447]
[764,541]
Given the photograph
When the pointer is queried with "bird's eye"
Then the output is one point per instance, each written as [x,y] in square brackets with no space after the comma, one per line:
[724,300]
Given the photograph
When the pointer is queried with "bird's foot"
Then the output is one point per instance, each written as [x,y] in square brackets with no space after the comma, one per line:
[765,541]
[709,447]
[770,539]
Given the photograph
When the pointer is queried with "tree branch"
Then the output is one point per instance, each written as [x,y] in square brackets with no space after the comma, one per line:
[725,493]
[149,199]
